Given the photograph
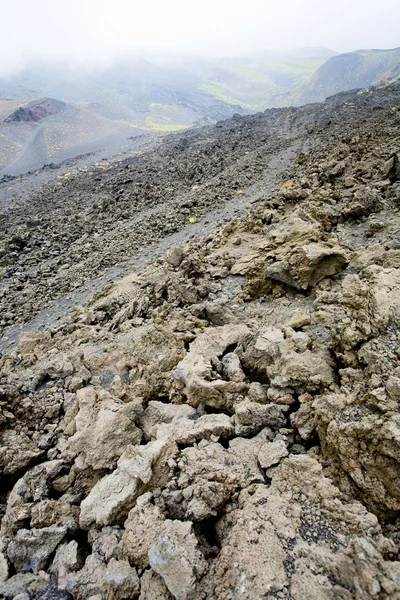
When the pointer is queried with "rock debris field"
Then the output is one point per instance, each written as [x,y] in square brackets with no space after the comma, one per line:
[221,421]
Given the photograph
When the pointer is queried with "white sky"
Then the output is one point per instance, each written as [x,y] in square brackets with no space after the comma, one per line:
[94,30]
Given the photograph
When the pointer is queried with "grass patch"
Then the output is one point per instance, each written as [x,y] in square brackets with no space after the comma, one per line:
[154,126]
[215,90]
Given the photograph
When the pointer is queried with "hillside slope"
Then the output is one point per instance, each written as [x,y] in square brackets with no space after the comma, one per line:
[260,82]
[349,71]
[48,130]
[103,105]
[223,421]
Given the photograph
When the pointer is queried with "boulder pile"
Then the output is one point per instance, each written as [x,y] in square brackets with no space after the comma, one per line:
[226,424]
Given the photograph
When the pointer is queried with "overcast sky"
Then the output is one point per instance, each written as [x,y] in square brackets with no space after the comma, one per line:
[99,29]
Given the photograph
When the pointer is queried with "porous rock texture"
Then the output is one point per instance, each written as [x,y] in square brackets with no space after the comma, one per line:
[225,424]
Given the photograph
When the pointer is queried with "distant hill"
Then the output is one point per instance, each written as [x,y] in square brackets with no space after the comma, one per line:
[48,130]
[257,83]
[349,71]
[36,111]
[314,52]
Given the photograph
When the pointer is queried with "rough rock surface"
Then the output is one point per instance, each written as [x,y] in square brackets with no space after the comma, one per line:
[138,469]
[31,548]
[225,423]
[271,453]
[176,558]
[104,426]
[195,371]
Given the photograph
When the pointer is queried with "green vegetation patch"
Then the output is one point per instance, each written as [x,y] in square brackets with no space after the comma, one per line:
[149,124]
[256,84]
[216,90]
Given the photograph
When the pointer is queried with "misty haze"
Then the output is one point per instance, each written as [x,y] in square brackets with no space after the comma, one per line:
[199,300]
[89,76]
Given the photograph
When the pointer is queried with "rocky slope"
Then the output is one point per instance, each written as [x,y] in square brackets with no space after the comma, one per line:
[131,206]
[225,423]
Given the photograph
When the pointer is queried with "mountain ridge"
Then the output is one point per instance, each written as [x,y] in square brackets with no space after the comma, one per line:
[351,70]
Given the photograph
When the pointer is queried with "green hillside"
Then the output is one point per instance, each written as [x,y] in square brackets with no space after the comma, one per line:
[259,83]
